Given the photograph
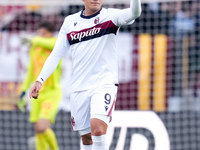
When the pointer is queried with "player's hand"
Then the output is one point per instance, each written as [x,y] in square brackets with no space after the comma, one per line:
[34,92]
[26,39]
[21,103]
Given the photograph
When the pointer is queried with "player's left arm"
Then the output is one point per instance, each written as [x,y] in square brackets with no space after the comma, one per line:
[127,16]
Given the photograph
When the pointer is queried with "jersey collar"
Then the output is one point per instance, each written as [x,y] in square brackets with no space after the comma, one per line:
[88,17]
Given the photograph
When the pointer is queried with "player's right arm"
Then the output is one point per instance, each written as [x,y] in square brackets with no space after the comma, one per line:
[29,74]
[60,50]
[34,91]
[44,42]
[26,83]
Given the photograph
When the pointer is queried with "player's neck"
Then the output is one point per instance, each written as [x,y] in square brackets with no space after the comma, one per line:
[88,12]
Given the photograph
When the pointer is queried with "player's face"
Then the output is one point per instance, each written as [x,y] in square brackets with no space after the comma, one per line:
[92,6]
[44,33]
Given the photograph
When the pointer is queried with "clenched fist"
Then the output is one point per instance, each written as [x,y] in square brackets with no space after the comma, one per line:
[34,91]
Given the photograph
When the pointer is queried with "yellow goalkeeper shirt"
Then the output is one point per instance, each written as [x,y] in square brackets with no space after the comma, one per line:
[39,51]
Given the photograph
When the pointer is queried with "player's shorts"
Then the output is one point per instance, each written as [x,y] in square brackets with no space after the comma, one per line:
[46,106]
[93,103]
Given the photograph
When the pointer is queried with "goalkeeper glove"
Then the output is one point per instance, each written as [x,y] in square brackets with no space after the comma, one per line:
[21,103]
[26,39]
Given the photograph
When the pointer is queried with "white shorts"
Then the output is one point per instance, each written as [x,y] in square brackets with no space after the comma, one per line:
[93,103]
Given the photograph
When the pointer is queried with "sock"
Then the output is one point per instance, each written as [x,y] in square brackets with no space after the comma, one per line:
[99,142]
[86,147]
[41,143]
[51,139]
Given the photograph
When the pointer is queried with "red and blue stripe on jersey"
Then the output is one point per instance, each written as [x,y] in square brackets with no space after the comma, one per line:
[96,31]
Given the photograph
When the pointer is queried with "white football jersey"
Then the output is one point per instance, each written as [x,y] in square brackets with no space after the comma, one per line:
[92,42]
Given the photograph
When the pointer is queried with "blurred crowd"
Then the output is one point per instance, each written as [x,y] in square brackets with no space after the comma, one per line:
[166,17]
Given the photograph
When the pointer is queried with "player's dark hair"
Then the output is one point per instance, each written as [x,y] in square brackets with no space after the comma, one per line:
[49,26]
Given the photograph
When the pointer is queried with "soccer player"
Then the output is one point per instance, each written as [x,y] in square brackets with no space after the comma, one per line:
[44,109]
[90,36]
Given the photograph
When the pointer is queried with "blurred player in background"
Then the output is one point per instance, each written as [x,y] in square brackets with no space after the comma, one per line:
[90,35]
[44,109]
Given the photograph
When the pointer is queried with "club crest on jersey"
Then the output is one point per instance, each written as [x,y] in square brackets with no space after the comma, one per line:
[96,21]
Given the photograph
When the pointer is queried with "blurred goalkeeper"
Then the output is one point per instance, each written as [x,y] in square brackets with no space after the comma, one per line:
[44,109]
[90,36]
